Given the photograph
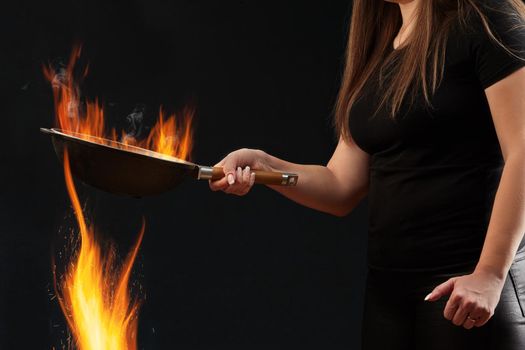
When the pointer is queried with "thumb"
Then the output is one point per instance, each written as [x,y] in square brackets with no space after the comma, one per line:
[442,290]
[229,166]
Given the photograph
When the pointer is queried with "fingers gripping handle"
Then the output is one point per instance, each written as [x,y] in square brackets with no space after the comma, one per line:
[261,177]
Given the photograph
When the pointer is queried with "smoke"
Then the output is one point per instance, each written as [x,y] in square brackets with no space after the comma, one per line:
[62,79]
[134,124]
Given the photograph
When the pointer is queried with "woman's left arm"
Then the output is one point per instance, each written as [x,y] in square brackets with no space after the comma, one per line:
[474,297]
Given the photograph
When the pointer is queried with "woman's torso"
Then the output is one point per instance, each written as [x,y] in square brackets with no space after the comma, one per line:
[434,171]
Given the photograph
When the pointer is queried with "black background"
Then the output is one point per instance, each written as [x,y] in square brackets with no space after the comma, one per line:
[217,271]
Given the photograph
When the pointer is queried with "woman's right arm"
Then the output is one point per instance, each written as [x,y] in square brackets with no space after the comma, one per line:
[335,188]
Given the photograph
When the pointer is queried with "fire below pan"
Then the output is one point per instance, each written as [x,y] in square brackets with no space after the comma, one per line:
[127,170]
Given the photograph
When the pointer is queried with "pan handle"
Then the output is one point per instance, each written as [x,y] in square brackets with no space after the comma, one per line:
[261,177]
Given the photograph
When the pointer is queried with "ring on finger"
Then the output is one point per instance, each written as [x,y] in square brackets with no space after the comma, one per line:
[471,319]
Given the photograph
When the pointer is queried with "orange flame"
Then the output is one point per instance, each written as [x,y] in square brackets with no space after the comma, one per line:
[93,292]
[85,117]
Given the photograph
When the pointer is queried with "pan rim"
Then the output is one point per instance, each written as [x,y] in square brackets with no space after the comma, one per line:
[127,149]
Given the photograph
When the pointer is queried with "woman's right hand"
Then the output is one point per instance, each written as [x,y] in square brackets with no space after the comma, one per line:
[238,176]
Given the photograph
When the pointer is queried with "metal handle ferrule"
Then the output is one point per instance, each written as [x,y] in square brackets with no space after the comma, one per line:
[205,173]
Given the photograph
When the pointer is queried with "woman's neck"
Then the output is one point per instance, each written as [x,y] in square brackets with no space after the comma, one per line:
[408,14]
[408,11]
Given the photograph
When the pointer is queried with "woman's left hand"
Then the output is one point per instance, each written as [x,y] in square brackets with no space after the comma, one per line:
[473,298]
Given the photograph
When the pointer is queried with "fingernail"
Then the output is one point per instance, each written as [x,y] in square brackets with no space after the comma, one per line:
[231,179]
[428,296]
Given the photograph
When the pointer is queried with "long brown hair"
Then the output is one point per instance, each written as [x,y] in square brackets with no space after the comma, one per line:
[373,26]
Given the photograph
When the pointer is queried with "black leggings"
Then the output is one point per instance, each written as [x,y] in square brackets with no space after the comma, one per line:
[397,317]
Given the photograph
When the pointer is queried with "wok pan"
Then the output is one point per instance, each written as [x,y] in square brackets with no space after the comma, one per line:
[127,170]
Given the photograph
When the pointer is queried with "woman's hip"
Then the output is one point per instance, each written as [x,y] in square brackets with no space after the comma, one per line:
[397,317]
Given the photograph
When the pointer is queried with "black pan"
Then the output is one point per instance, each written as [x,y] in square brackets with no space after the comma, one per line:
[127,170]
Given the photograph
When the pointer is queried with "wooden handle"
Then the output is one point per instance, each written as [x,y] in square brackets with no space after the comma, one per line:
[263,177]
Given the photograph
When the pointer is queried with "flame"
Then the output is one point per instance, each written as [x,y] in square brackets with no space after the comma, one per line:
[86,119]
[164,137]
[93,292]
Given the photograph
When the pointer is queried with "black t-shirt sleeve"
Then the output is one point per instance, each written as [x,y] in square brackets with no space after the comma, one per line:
[491,61]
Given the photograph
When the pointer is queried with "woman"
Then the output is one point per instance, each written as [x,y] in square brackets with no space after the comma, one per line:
[431,119]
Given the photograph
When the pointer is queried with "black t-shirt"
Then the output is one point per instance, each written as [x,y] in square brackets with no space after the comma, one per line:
[434,172]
